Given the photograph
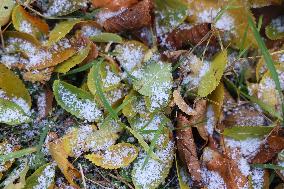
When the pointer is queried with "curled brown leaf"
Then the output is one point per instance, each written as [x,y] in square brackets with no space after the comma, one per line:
[179,101]
[187,148]
[135,17]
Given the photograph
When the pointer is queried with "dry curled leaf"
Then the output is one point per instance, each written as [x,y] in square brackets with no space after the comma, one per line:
[179,101]
[273,144]
[187,149]
[113,4]
[135,17]
[180,38]
[226,167]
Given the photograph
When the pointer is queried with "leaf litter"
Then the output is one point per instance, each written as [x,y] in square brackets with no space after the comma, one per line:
[141,94]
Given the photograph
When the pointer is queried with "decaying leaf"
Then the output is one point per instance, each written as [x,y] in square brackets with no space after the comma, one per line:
[179,101]
[113,4]
[227,168]
[6,7]
[187,149]
[117,156]
[212,78]
[273,144]
[137,16]
[199,33]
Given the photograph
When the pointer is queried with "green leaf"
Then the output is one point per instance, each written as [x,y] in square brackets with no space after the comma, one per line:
[42,178]
[6,7]
[155,172]
[11,113]
[61,30]
[12,85]
[245,132]
[212,78]
[154,81]
[117,156]
[268,166]
[107,37]
[268,60]
[17,154]
[173,13]
[274,30]
[76,101]
[19,174]
[73,61]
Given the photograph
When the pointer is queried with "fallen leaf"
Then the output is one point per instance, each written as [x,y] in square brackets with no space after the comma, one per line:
[179,101]
[113,5]
[137,16]
[6,8]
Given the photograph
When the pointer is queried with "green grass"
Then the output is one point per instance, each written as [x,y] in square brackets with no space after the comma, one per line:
[17,154]
[268,166]
[268,60]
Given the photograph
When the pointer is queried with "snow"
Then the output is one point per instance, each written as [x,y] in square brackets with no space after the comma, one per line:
[278,24]
[62,6]
[154,169]
[104,15]
[41,104]
[111,78]
[257,176]
[84,107]
[210,123]
[117,158]
[26,27]
[244,166]
[46,178]
[248,147]
[212,179]
[160,95]
[89,31]
[23,104]
[129,56]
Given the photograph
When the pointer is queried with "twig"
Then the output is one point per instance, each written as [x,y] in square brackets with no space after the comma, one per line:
[83,176]
[121,180]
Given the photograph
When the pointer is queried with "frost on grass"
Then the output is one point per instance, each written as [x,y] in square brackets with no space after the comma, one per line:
[154,172]
[84,108]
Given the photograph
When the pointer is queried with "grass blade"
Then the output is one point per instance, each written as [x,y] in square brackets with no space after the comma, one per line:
[83,68]
[17,154]
[268,60]
[268,166]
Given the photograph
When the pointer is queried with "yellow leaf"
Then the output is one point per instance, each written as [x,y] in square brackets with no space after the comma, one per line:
[27,23]
[60,157]
[117,156]
[12,85]
[61,30]
[6,7]
[74,60]
[217,98]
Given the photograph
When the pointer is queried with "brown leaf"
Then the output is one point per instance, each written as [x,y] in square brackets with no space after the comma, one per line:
[133,18]
[200,108]
[41,76]
[227,168]
[44,103]
[180,38]
[187,149]
[273,144]
[113,4]
[179,101]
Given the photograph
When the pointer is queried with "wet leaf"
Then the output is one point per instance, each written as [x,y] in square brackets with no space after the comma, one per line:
[6,7]
[61,30]
[212,78]
[43,177]
[12,85]
[116,156]
[76,59]
[27,23]
[76,101]
[245,132]
[106,37]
